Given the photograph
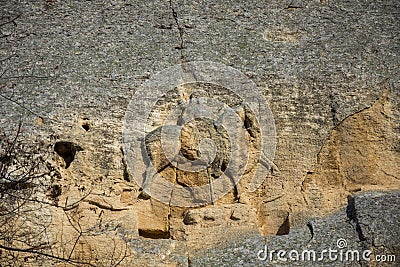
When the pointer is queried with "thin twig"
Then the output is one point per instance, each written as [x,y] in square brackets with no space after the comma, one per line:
[45,255]
[11,21]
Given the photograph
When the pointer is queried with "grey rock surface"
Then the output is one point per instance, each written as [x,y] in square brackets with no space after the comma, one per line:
[369,222]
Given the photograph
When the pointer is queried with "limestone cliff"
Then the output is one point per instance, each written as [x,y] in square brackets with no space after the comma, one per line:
[329,71]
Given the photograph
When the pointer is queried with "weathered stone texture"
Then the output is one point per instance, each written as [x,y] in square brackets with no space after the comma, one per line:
[328,69]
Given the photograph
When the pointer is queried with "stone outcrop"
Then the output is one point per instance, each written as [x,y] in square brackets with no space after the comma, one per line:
[329,71]
[366,223]
[358,156]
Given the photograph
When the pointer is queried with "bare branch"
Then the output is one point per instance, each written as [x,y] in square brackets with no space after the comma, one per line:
[11,21]
[45,255]
[25,77]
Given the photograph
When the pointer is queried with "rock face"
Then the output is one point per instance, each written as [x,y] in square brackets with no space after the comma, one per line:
[368,223]
[329,71]
[358,155]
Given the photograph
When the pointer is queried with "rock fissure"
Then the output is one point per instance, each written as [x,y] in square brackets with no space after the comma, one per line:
[180,29]
[351,211]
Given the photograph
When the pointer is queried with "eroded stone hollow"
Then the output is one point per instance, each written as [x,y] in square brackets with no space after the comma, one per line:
[67,151]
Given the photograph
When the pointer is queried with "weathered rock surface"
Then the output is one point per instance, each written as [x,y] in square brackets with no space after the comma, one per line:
[328,69]
[369,222]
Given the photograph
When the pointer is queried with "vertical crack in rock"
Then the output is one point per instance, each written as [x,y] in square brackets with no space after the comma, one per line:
[302,190]
[169,216]
[210,180]
[311,228]
[180,29]
[334,107]
[352,215]
[125,167]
